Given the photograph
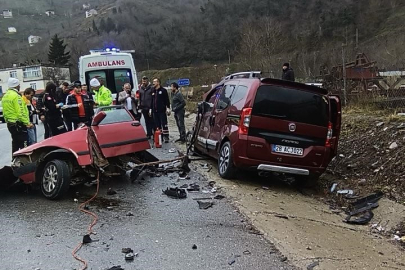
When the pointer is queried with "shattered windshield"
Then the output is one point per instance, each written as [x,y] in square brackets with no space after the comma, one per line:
[115,115]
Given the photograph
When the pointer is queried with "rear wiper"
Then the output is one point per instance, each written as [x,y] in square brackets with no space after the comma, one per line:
[274,115]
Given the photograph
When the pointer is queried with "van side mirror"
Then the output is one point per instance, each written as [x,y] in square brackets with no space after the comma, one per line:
[204,107]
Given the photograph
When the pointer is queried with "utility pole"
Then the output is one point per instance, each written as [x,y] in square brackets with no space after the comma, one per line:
[357,38]
[344,74]
[229,57]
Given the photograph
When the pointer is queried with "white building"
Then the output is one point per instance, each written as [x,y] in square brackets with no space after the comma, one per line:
[91,12]
[7,13]
[36,76]
[32,40]
[12,30]
[49,13]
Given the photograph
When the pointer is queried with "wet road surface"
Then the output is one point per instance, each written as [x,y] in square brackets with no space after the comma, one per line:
[5,143]
[40,234]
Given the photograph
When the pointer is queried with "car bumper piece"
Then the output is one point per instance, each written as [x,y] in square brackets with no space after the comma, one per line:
[280,169]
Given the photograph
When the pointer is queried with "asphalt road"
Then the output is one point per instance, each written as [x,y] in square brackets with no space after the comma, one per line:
[5,143]
[40,234]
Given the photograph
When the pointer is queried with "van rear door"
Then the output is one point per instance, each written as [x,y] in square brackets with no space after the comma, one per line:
[289,125]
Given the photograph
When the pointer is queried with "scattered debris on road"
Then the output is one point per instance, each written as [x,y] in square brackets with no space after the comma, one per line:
[204,205]
[193,188]
[363,206]
[333,188]
[127,250]
[281,216]
[219,197]
[345,192]
[247,252]
[183,176]
[111,191]
[172,150]
[87,239]
[313,265]
[7,177]
[177,193]
[231,261]
[118,267]
[130,256]
[130,214]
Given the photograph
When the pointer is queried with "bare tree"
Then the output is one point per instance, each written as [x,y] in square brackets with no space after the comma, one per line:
[56,74]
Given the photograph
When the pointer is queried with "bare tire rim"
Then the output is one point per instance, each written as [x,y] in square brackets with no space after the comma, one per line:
[50,178]
[224,159]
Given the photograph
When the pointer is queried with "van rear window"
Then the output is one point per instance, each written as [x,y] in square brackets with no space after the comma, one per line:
[292,105]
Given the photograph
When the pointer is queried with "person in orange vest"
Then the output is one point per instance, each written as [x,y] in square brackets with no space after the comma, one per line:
[80,106]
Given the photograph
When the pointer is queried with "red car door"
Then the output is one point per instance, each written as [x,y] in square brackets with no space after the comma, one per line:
[119,134]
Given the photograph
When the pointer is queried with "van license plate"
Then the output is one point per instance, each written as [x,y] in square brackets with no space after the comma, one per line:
[288,150]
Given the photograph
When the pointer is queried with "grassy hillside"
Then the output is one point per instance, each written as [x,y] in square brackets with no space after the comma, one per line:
[258,34]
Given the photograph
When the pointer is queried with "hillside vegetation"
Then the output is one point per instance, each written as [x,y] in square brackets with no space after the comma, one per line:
[259,34]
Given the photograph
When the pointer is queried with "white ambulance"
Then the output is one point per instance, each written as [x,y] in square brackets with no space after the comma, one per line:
[111,66]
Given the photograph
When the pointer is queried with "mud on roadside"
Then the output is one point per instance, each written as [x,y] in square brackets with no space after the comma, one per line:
[303,226]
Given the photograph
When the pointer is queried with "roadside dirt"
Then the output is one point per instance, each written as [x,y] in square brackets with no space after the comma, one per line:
[303,226]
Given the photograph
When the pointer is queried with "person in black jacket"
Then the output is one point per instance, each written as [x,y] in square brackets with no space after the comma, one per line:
[160,108]
[80,106]
[53,113]
[61,95]
[178,107]
[288,73]
[145,104]
[41,114]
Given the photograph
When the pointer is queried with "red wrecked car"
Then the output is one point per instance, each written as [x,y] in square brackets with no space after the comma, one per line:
[113,140]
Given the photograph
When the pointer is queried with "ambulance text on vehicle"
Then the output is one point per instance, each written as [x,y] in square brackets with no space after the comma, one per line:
[113,67]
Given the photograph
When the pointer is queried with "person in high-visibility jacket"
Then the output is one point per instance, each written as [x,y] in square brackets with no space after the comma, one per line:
[102,95]
[16,115]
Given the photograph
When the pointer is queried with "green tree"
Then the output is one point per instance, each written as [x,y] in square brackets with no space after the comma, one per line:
[110,25]
[57,54]
[102,26]
[95,29]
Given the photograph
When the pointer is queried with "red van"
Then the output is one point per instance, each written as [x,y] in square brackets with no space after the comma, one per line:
[268,125]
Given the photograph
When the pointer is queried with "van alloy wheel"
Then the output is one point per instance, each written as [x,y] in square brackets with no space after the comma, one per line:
[226,168]
[224,160]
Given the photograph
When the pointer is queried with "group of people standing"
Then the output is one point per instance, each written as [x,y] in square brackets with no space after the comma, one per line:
[65,108]
[155,106]
[61,109]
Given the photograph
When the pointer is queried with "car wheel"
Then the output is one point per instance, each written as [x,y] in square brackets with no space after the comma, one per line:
[55,179]
[2,119]
[226,168]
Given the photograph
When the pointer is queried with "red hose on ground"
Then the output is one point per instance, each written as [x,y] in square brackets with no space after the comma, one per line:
[90,229]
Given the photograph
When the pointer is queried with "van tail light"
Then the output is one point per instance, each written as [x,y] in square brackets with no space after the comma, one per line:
[245,121]
[329,135]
